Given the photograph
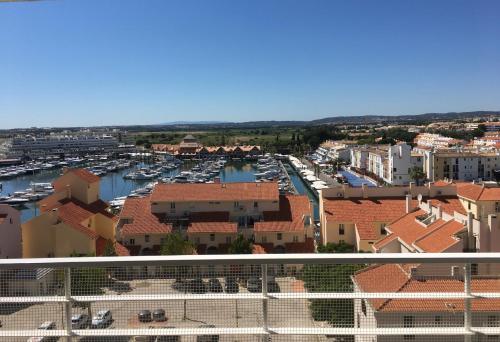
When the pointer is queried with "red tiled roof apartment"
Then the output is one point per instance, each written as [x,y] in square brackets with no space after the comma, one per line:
[418,312]
[211,216]
[190,147]
[359,216]
[73,220]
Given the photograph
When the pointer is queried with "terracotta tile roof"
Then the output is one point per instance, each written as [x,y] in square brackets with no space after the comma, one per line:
[384,241]
[74,213]
[290,217]
[478,192]
[449,204]
[441,238]
[301,247]
[436,237]
[121,250]
[212,227]
[215,192]
[143,220]
[83,174]
[441,183]
[393,278]
[262,248]
[364,213]
[381,278]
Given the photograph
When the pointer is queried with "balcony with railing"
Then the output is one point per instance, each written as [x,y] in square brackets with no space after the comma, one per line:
[285,297]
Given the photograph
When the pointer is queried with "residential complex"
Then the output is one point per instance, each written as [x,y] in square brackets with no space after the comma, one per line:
[189,147]
[212,215]
[385,163]
[430,140]
[460,165]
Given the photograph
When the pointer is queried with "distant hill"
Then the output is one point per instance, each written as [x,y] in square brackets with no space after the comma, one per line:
[360,119]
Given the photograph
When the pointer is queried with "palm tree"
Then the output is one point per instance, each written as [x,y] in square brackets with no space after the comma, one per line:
[417,174]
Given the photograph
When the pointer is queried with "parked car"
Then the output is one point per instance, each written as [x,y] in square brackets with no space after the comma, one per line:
[231,285]
[144,316]
[80,321]
[48,325]
[159,315]
[273,286]
[254,285]
[101,319]
[214,285]
[197,285]
[207,338]
[168,338]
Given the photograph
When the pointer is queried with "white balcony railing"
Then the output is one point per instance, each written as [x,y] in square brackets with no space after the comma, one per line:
[252,297]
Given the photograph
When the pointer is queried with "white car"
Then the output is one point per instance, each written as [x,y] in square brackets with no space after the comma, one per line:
[101,319]
[45,326]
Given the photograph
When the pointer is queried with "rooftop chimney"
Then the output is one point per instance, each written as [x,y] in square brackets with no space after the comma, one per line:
[68,191]
[470,245]
[439,213]
[408,204]
[364,189]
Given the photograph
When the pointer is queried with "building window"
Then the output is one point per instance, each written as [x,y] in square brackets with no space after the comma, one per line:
[172,205]
[382,229]
[295,238]
[341,229]
[363,306]
[408,322]
[497,207]
[264,239]
[395,169]
[438,321]
[228,239]
[468,205]
[279,236]
[146,238]
[474,269]
[492,321]
[212,237]
[255,204]
[132,241]
[236,204]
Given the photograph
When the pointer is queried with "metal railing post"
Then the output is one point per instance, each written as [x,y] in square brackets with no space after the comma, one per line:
[264,302]
[467,304]
[67,304]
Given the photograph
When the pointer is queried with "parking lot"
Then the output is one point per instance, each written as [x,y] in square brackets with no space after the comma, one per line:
[227,313]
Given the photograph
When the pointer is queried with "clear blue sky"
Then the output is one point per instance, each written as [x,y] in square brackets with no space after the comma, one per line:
[99,62]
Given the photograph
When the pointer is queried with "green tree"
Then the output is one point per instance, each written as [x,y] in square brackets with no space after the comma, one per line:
[174,244]
[331,247]
[109,249]
[417,174]
[331,278]
[240,246]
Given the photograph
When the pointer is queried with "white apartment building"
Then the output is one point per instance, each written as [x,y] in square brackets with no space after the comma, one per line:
[392,164]
[332,150]
[33,146]
[430,140]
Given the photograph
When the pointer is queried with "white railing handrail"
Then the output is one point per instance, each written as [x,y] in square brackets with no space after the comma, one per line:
[253,259]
